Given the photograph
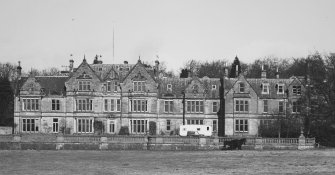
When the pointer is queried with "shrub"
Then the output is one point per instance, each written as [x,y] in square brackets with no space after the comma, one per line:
[98,127]
[124,130]
[152,128]
[175,132]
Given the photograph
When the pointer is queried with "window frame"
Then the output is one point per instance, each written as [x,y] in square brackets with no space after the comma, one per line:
[241,87]
[168,106]
[244,104]
[195,106]
[55,105]
[111,125]
[283,87]
[267,85]
[265,106]
[215,125]
[281,106]
[84,105]
[216,106]
[296,107]
[195,121]
[30,104]
[296,90]
[139,105]
[168,125]
[85,127]
[139,86]
[115,86]
[32,123]
[139,126]
[84,85]
[55,125]
[241,125]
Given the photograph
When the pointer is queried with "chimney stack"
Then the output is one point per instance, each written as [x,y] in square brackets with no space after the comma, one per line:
[71,65]
[277,73]
[225,69]
[156,70]
[263,74]
[19,71]
[236,71]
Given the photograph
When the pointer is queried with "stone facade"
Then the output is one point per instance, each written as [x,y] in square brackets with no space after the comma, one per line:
[102,98]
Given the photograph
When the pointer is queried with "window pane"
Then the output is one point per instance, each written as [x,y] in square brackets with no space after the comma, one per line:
[188,106]
[246,106]
[112,105]
[237,105]
[118,105]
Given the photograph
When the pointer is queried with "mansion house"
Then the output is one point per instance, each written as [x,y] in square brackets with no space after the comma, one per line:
[133,95]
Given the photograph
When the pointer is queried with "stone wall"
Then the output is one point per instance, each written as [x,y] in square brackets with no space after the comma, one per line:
[64,142]
[5,130]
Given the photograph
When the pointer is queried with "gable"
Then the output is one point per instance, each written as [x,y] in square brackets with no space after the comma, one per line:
[139,74]
[83,73]
[195,89]
[111,75]
[248,89]
[31,87]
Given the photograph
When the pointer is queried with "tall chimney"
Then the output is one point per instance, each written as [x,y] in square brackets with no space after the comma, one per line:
[156,70]
[19,71]
[225,69]
[71,65]
[277,73]
[263,74]
[236,71]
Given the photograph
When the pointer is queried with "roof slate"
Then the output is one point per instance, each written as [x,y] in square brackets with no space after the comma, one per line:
[53,85]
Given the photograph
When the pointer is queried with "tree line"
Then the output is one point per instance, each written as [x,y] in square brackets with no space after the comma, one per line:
[317,116]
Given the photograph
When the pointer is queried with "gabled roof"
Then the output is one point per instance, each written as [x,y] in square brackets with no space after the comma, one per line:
[82,64]
[53,85]
[180,84]
[104,70]
[139,63]
[257,84]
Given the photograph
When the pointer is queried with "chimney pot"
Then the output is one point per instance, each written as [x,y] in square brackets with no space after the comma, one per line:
[71,65]
[263,74]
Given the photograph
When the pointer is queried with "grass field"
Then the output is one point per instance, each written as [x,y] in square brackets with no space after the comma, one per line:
[167,162]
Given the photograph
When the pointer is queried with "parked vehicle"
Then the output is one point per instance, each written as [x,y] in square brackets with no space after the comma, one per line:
[195,130]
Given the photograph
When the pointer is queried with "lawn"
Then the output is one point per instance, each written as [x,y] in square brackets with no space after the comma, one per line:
[167,162]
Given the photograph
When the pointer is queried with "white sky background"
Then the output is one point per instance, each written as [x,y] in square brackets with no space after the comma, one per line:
[43,33]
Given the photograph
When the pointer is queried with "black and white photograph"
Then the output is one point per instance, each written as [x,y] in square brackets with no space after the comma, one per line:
[167,87]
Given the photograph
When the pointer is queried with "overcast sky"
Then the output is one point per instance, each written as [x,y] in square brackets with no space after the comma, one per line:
[44,33]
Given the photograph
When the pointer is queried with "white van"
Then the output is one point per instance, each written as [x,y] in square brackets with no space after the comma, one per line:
[195,130]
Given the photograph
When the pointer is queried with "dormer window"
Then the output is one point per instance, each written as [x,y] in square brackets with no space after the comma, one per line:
[280,88]
[100,68]
[169,87]
[213,87]
[139,86]
[265,88]
[241,87]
